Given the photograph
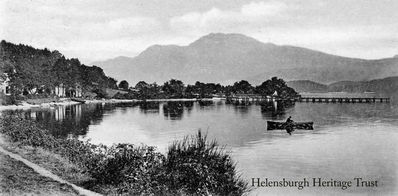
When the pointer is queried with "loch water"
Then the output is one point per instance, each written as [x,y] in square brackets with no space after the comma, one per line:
[349,140]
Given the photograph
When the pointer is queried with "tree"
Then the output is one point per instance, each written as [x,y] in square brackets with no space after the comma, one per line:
[173,88]
[112,83]
[242,86]
[141,85]
[124,85]
[268,87]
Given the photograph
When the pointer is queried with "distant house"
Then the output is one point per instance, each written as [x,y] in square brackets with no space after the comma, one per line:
[78,91]
[62,91]
[74,91]
[4,85]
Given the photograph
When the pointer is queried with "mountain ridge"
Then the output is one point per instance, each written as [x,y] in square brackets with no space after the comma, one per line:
[225,58]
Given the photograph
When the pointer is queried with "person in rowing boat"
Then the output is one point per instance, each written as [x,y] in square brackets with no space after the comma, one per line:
[289,125]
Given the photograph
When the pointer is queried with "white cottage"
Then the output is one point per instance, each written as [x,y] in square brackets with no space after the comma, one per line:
[4,86]
[60,90]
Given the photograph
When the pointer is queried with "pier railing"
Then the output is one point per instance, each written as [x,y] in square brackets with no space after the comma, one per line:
[258,98]
[344,99]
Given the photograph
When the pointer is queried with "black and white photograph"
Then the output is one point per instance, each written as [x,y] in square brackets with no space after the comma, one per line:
[188,97]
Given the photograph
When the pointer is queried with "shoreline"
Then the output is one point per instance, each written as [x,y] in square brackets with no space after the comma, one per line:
[67,101]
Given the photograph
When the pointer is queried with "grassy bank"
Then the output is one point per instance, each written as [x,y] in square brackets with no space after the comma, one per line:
[18,179]
[192,166]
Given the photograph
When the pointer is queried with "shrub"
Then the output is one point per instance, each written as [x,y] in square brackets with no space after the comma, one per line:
[201,167]
[78,152]
[118,95]
[100,93]
[27,133]
[133,169]
[10,99]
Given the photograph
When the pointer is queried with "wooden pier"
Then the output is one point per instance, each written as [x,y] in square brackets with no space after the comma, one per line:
[343,99]
[242,99]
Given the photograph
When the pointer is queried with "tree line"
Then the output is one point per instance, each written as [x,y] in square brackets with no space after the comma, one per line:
[32,71]
[177,89]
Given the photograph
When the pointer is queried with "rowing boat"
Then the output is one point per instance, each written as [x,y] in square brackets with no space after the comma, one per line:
[271,125]
[77,100]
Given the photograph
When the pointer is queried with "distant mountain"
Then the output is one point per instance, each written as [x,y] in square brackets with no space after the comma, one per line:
[386,85]
[307,86]
[226,58]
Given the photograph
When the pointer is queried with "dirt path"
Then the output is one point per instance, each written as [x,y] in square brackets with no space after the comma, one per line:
[47,173]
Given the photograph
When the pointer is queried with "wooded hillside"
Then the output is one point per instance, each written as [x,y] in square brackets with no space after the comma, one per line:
[39,71]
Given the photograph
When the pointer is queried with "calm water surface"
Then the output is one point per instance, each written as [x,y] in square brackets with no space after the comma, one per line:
[349,140]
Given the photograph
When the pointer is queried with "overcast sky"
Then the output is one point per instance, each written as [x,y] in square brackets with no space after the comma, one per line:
[100,29]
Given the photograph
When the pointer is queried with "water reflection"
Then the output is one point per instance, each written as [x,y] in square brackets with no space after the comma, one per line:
[64,120]
[188,105]
[241,109]
[173,110]
[77,119]
[325,114]
[149,107]
[205,102]
[275,110]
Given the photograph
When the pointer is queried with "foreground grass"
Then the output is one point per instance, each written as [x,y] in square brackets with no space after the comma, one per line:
[18,179]
[53,162]
[192,166]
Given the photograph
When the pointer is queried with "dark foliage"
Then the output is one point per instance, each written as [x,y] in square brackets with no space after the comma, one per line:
[203,90]
[276,85]
[33,71]
[201,167]
[124,85]
[176,89]
[242,87]
[27,133]
[101,93]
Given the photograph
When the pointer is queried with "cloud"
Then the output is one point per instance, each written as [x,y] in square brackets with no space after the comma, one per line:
[77,32]
[101,29]
[120,28]
[290,23]
[215,20]
[262,9]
